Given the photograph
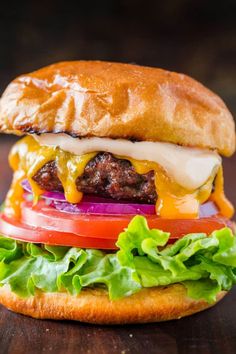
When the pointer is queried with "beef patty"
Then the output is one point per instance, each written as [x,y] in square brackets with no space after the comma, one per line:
[104,175]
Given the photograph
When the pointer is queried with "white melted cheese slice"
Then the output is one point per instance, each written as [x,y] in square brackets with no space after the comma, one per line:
[189,167]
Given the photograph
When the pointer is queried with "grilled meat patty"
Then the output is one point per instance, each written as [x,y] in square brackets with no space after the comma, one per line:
[106,176]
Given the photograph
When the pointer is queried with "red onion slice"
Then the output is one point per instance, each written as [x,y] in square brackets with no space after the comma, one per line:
[208,209]
[94,204]
[98,205]
[105,208]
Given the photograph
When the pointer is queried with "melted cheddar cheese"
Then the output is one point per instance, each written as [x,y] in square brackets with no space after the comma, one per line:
[174,201]
[27,157]
[218,196]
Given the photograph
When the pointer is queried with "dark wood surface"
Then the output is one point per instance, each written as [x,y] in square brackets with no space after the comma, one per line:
[209,332]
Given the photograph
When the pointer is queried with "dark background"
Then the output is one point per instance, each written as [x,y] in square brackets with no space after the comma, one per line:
[196,37]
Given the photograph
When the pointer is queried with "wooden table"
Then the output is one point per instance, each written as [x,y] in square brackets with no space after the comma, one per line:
[212,331]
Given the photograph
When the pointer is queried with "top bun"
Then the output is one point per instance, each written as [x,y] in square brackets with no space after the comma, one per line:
[92,98]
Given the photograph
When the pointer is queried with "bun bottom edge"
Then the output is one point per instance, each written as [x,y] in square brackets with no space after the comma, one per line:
[93,305]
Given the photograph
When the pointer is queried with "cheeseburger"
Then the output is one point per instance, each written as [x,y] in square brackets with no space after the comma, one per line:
[116,212]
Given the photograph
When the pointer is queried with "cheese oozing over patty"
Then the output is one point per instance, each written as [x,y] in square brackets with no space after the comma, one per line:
[189,167]
[183,176]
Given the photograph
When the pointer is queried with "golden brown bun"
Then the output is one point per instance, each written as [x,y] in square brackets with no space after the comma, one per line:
[92,98]
[93,306]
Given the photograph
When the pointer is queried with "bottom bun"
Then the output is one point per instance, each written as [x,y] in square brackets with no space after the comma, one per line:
[93,305]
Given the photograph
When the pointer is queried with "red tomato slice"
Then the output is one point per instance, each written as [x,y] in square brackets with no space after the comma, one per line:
[44,224]
[22,232]
[109,227]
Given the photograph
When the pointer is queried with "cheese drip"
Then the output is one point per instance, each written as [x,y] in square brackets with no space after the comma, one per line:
[174,201]
[27,157]
[218,196]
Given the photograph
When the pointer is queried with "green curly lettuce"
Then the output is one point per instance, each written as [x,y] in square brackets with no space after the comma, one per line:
[205,265]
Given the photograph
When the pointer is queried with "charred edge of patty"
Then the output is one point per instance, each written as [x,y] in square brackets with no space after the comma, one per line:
[107,176]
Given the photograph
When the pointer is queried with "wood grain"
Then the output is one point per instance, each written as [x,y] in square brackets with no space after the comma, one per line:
[209,332]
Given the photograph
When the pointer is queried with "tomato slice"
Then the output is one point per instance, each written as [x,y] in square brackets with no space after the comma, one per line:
[109,227]
[99,226]
[22,232]
[45,224]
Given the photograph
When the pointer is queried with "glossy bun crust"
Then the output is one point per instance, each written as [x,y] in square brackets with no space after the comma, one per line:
[93,306]
[92,98]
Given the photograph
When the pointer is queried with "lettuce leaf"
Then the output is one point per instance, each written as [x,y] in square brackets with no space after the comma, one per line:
[205,265]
